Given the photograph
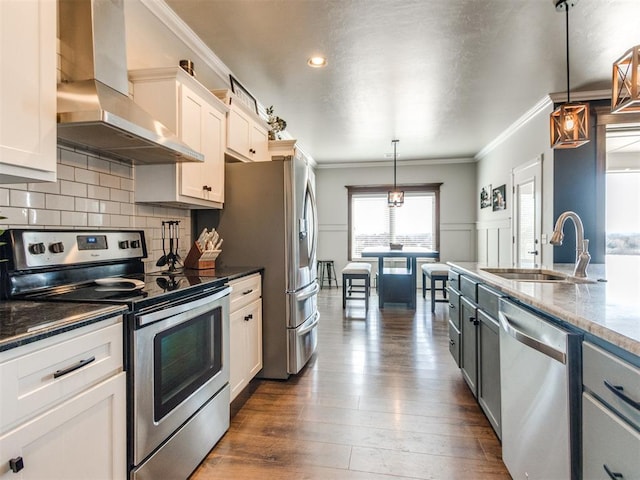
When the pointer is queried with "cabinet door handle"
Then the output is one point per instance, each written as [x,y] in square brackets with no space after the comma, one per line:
[451,305]
[452,342]
[80,364]
[618,391]
[16,464]
[247,292]
[248,317]
[473,320]
[612,475]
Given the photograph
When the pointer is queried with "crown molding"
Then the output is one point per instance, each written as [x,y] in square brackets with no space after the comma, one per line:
[561,97]
[179,28]
[406,163]
[543,104]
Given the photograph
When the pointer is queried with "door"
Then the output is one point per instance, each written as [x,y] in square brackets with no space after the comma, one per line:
[527,218]
[303,238]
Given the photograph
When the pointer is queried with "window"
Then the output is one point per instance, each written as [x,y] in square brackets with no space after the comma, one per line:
[372,222]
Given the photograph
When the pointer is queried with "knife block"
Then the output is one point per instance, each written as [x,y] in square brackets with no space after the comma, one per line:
[199,259]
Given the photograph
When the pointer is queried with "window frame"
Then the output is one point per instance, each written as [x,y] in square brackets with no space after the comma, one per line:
[383,189]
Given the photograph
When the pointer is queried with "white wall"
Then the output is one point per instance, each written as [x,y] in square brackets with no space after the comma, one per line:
[457,200]
[524,142]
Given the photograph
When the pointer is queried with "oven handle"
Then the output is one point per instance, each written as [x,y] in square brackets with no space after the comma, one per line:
[148,318]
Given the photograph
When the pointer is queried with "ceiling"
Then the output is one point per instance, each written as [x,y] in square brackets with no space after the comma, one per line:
[445,77]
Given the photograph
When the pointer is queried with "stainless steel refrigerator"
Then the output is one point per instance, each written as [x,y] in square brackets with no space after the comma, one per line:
[269,220]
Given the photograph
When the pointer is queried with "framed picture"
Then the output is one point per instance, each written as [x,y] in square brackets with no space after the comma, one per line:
[499,197]
[243,94]
[485,196]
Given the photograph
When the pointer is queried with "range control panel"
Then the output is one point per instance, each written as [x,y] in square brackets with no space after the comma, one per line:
[47,248]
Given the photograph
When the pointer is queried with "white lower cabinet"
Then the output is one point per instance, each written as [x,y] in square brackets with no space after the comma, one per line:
[82,438]
[63,406]
[245,332]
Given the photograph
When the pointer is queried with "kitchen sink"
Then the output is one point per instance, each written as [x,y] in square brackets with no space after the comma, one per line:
[535,275]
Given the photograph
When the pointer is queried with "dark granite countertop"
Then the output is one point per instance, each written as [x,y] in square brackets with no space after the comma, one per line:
[25,322]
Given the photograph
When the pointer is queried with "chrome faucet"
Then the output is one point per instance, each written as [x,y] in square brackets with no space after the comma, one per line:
[582,244]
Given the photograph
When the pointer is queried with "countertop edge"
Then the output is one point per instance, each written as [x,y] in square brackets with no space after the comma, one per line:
[602,332]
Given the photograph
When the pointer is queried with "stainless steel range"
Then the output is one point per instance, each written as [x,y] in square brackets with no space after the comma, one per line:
[177,336]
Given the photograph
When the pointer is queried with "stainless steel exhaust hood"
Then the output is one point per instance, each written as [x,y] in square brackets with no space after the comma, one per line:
[94,109]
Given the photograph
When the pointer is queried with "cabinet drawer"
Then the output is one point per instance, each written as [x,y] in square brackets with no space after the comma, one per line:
[34,378]
[488,300]
[454,280]
[454,307]
[601,369]
[469,288]
[244,291]
[607,441]
[454,343]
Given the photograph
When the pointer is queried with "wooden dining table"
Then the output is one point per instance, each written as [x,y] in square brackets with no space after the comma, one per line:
[398,284]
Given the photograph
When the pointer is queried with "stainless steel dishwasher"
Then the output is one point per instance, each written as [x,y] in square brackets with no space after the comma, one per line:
[540,383]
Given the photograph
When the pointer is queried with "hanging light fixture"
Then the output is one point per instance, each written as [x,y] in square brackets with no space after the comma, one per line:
[570,121]
[625,97]
[395,198]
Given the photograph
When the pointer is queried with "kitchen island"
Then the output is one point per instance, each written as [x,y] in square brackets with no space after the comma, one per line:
[607,310]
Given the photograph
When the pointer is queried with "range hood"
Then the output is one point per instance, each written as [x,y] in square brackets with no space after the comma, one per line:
[94,109]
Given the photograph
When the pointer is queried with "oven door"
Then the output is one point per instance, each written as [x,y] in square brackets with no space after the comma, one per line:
[180,359]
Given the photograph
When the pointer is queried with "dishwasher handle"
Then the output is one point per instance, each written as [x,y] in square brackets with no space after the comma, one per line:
[538,345]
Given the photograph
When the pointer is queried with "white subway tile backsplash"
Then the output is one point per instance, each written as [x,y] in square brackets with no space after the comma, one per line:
[87,176]
[119,195]
[15,216]
[65,172]
[109,181]
[59,202]
[99,193]
[20,198]
[109,207]
[121,169]
[87,205]
[73,158]
[94,192]
[99,165]
[98,220]
[46,187]
[73,188]
[44,217]
[74,219]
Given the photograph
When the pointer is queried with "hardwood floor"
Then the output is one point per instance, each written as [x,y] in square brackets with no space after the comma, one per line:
[381,399]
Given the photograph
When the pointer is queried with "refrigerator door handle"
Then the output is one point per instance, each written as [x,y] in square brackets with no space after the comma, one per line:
[313,325]
[306,293]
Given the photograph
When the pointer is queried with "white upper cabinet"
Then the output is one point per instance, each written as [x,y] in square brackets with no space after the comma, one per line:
[185,106]
[247,133]
[27,91]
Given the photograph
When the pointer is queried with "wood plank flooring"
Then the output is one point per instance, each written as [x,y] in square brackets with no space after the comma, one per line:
[381,399]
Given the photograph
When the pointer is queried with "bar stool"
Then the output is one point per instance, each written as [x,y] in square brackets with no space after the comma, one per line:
[356,271]
[436,272]
[326,272]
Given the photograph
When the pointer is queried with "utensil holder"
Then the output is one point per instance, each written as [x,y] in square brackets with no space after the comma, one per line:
[199,259]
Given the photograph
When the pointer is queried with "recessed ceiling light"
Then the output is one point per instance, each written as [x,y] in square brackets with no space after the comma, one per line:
[317,62]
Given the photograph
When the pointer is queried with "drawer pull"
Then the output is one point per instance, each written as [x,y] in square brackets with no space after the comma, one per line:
[247,292]
[248,317]
[80,364]
[612,475]
[16,464]
[618,391]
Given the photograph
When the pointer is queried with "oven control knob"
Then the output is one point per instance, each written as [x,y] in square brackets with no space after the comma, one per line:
[57,247]
[135,243]
[123,243]
[37,248]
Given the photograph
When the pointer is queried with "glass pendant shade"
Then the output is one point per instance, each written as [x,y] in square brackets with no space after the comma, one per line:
[570,125]
[625,95]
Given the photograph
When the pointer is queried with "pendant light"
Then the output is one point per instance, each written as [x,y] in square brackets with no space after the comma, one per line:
[570,121]
[395,198]
[625,96]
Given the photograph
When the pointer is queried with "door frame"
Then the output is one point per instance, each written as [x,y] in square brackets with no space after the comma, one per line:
[519,175]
